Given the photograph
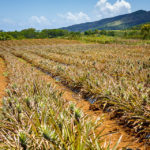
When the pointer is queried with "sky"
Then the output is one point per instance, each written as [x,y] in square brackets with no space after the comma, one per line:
[49,14]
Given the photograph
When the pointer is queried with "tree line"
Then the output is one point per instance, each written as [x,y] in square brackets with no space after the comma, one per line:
[32,33]
[143,33]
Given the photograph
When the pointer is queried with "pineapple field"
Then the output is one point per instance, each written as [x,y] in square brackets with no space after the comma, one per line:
[64,94]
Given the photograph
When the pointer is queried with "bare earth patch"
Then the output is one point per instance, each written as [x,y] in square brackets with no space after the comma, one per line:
[3,80]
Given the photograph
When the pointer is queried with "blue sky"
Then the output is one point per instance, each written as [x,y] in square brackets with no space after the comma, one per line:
[40,14]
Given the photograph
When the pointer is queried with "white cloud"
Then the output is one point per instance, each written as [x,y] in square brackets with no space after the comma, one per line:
[8,21]
[39,20]
[76,17]
[106,9]
[32,22]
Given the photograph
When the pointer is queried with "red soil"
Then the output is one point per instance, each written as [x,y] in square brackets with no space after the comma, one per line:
[3,80]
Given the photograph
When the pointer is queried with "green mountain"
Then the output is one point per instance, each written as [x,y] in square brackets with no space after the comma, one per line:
[114,23]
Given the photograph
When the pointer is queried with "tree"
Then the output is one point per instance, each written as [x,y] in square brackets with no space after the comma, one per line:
[111,33]
[96,31]
[16,35]
[103,32]
[145,31]
[4,36]
[29,33]
[88,32]
[52,33]
[74,35]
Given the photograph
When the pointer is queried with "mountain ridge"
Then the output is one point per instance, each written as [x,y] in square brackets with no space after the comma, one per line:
[114,23]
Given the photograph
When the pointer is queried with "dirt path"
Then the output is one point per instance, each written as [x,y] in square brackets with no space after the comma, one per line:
[3,80]
[110,126]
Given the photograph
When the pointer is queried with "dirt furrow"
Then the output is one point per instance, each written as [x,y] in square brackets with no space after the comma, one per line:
[3,79]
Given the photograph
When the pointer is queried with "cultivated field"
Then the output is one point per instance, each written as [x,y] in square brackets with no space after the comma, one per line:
[114,78]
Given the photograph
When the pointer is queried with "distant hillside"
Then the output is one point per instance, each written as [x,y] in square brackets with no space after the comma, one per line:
[114,23]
